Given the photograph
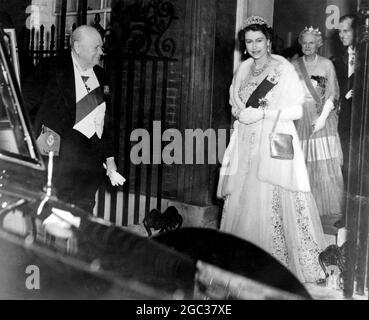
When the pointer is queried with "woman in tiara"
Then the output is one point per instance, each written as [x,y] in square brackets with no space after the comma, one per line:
[268,201]
[317,129]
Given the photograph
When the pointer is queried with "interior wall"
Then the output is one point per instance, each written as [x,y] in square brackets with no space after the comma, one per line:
[263,8]
[290,17]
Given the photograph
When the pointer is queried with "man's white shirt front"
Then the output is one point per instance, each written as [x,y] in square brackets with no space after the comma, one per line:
[94,121]
[351,61]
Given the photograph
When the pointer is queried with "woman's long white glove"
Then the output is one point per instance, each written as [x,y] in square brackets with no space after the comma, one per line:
[319,123]
[250,115]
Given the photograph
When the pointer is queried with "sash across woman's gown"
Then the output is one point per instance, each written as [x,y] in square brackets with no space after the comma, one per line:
[322,150]
[283,222]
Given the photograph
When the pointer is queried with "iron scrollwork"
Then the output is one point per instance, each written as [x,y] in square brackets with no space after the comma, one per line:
[143,25]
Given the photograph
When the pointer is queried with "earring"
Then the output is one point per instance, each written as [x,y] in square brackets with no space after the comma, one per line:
[245,52]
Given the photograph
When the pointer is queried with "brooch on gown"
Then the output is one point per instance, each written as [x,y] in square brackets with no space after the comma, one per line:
[318,81]
[274,75]
[263,102]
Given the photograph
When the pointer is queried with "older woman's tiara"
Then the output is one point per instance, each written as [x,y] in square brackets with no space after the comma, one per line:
[254,20]
[312,30]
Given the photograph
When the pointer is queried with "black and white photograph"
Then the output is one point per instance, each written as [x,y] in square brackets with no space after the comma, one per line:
[188,154]
[11,42]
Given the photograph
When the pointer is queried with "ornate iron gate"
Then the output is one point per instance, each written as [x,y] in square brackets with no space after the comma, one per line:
[139,69]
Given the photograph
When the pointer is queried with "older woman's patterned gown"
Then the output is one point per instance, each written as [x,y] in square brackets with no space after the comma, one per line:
[322,150]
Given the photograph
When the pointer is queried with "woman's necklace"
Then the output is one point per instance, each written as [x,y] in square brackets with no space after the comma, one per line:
[310,64]
[257,72]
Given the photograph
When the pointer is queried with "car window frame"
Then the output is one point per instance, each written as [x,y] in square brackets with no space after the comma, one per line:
[34,159]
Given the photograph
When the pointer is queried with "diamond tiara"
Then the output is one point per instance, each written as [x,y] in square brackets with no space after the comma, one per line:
[312,30]
[254,20]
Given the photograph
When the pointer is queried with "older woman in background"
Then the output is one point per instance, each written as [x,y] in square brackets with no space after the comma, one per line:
[317,129]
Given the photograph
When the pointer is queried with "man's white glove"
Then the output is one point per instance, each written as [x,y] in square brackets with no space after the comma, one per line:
[349,94]
[115,178]
[111,171]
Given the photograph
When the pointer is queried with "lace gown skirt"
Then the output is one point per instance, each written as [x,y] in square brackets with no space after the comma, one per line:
[323,155]
[284,223]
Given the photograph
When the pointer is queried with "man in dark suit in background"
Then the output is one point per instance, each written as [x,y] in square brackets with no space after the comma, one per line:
[345,67]
[69,96]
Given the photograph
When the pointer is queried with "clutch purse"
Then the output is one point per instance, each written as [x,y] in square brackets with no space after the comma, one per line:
[281,146]
[48,141]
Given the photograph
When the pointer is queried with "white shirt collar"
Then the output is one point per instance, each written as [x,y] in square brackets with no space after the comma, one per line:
[350,50]
[79,68]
